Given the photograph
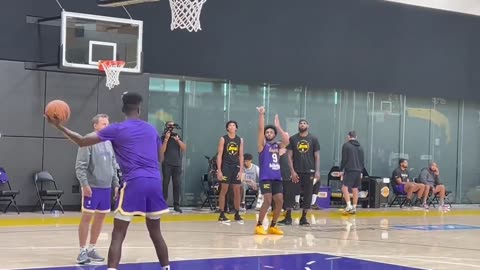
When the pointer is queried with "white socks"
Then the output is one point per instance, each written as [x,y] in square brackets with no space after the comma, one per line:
[91,247]
[314,199]
[349,204]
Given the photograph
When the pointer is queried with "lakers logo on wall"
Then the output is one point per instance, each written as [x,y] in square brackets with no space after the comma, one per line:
[385,191]
[303,146]
[232,148]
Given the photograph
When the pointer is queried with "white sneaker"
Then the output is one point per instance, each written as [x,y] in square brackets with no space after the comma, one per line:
[444,207]
[349,210]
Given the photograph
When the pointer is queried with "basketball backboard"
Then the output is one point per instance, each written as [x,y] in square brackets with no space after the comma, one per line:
[88,38]
[119,3]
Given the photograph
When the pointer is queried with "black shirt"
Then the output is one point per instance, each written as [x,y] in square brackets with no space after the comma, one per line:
[403,174]
[304,149]
[231,150]
[173,154]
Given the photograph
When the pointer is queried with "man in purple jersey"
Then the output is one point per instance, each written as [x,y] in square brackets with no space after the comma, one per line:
[271,184]
[137,147]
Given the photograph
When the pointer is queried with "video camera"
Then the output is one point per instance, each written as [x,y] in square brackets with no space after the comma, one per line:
[171,127]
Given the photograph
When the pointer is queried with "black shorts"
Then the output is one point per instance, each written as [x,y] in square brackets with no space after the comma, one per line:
[271,186]
[230,173]
[352,179]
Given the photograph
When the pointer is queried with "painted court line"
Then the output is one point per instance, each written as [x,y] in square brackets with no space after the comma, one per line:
[13,221]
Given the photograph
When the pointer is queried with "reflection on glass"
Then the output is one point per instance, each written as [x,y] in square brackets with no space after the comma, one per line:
[204,117]
[389,127]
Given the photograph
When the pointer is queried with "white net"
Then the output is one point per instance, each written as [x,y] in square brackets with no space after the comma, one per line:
[186,14]
[112,72]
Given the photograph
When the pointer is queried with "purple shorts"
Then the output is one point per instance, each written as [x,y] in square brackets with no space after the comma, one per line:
[400,189]
[142,197]
[99,202]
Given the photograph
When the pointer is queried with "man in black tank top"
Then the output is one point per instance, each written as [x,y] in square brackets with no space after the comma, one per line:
[230,169]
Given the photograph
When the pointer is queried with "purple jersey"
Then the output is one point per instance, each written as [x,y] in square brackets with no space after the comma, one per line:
[136,144]
[269,162]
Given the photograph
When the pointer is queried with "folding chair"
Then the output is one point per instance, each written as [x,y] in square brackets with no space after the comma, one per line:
[7,194]
[397,197]
[210,190]
[52,194]
[432,199]
[250,198]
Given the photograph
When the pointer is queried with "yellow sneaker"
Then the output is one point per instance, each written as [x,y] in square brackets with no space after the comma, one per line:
[260,230]
[275,230]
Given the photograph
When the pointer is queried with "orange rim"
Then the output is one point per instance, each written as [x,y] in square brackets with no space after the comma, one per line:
[109,63]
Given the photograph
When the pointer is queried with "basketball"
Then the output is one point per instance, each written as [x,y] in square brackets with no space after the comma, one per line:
[58,109]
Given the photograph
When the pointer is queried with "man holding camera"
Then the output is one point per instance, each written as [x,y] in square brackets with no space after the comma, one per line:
[172,149]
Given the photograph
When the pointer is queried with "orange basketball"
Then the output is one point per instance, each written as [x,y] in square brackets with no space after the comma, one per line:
[58,109]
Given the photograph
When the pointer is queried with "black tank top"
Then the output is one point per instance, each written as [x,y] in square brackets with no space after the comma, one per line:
[231,149]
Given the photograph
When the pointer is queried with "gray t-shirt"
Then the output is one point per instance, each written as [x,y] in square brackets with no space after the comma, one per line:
[252,173]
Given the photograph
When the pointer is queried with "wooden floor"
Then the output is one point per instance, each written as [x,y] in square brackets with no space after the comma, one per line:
[410,238]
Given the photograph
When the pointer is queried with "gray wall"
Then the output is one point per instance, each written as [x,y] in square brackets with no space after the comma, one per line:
[348,44]
[29,145]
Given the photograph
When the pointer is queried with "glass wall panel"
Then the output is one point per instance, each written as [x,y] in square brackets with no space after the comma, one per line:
[164,104]
[443,140]
[242,101]
[288,103]
[204,123]
[384,130]
[353,115]
[469,171]
[417,135]
[389,126]
[321,112]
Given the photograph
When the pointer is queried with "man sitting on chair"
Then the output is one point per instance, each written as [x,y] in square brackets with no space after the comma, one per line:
[430,177]
[404,185]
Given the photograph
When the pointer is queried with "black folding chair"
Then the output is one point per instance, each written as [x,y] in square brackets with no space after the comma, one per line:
[435,199]
[210,190]
[7,194]
[250,198]
[47,191]
[399,198]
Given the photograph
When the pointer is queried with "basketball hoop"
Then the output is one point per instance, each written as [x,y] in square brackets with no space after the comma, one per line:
[112,71]
[186,14]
